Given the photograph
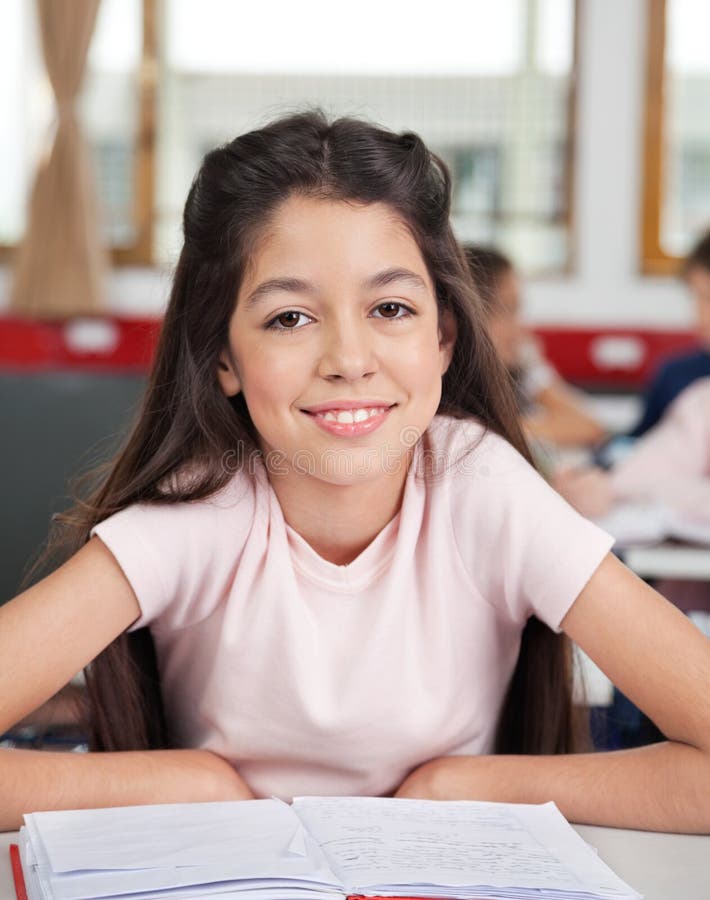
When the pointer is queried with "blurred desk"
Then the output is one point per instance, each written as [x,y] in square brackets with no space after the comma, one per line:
[669,560]
[659,866]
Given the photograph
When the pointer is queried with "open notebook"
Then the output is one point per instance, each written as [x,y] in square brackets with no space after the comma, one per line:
[316,849]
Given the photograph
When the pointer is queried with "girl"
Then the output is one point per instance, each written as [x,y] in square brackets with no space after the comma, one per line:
[325,531]
[551,410]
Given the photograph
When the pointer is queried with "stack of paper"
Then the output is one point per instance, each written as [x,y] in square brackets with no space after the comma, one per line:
[317,849]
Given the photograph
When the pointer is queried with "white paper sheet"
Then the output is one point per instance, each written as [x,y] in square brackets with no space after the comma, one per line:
[171,834]
[375,843]
[261,850]
[101,853]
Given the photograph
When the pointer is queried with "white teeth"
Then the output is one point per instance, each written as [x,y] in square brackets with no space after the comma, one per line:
[350,416]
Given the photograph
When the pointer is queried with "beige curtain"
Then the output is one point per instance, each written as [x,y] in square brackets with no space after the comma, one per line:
[60,263]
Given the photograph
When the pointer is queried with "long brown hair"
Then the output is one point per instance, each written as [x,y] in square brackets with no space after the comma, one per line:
[186,418]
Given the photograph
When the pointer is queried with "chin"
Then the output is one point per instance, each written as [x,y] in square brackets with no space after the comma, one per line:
[348,471]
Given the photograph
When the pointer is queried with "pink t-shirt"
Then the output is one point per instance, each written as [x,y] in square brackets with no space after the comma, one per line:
[314,678]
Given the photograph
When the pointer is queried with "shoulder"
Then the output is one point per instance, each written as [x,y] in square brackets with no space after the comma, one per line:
[683,367]
[491,487]
[236,500]
[457,449]
[448,434]
[180,556]
[521,544]
[482,477]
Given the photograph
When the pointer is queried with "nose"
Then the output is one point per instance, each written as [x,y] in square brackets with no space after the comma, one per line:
[348,351]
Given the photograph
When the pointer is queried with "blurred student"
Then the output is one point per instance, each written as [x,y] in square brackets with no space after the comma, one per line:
[682,369]
[551,409]
[670,464]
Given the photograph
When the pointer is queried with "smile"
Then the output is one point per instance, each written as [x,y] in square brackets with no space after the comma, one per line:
[352,421]
[349,416]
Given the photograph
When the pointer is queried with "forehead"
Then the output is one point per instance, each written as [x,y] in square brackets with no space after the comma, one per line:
[306,232]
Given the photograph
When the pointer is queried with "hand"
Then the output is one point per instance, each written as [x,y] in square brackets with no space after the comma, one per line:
[218,779]
[419,784]
[588,490]
[453,778]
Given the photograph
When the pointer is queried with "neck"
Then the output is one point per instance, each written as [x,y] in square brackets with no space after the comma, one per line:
[339,521]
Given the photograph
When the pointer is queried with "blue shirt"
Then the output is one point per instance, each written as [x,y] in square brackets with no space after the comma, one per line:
[672,377]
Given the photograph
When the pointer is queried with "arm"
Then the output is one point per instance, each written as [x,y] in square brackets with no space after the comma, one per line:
[49,633]
[561,418]
[659,660]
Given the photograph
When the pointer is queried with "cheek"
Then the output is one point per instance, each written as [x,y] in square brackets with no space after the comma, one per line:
[270,378]
[423,364]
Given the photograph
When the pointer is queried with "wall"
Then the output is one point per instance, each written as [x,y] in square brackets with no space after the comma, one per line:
[604,287]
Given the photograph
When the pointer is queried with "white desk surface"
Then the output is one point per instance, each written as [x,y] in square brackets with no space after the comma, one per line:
[669,560]
[659,866]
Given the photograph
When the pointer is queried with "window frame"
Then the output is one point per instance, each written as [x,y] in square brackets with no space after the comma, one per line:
[140,252]
[654,259]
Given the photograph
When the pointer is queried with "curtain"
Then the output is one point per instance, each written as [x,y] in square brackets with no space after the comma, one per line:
[61,262]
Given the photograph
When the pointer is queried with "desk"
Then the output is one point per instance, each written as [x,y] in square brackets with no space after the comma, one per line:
[669,560]
[659,866]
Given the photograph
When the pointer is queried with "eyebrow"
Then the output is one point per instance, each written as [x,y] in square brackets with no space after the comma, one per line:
[299,286]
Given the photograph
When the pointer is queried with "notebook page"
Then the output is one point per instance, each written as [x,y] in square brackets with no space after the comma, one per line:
[372,843]
[180,834]
[292,862]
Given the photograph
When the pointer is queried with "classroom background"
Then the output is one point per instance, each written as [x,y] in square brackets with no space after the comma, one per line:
[576,132]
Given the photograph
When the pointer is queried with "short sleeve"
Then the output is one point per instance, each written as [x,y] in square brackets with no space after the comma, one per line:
[180,558]
[526,549]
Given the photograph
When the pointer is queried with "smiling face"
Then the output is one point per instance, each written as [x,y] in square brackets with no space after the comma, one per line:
[336,342]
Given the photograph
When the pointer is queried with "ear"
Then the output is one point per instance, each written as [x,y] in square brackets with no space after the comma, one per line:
[447,338]
[227,375]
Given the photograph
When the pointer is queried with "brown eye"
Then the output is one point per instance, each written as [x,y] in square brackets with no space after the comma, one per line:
[389,310]
[392,310]
[288,319]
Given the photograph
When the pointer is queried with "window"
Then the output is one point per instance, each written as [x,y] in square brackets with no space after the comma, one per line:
[492,95]
[115,109]
[488,86]
[676,202]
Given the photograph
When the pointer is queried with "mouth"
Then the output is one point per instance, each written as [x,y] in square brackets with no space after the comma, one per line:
[349,417]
